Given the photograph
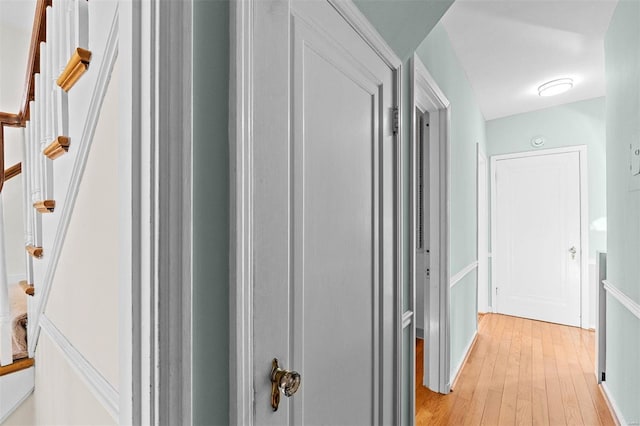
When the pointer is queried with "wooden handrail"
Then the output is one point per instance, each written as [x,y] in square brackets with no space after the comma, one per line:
[12,171]
[10,119]
[38,35]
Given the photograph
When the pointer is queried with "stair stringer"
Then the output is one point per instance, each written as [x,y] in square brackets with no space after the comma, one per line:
[84,101]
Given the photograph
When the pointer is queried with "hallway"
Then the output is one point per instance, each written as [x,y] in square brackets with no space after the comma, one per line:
[519,372]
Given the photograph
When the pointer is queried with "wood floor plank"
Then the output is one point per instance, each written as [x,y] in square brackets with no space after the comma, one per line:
[510,390]
[567,391]
[581,345]
[524,414]
[491,337]
[539,406]
[552,380]
[520,372]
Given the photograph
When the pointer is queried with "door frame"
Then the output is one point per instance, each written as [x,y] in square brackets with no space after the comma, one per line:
[241,106]
[483,255]
[154,178]
[427,97]
[585,303]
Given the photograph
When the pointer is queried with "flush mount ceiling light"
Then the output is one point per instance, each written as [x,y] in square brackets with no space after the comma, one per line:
[555,87]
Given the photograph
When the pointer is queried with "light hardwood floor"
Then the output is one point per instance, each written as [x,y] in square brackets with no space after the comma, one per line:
[520,372]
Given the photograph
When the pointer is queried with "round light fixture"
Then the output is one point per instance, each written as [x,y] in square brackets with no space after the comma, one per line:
[555,87]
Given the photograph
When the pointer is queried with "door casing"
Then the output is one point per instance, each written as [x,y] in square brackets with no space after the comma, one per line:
[585,304]
[427,97]
[483,223]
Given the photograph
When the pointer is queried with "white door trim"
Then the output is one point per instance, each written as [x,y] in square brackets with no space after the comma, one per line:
[427,97]
[482,252]
[601,315]
[585,303]
[240,239]
[155,212]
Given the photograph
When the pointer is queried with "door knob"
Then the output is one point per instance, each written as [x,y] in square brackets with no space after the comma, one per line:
[284,381]
[573,252]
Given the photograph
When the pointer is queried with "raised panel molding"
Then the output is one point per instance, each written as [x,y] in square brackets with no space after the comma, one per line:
[97,384]
[84,147]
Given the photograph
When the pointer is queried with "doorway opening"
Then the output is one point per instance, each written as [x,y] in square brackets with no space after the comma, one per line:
[430,225]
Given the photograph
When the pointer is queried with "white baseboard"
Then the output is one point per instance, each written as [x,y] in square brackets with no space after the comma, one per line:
[456,372]
[615,410]
[19,384]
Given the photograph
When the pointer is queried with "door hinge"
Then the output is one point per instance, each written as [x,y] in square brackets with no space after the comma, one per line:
[396,120]
[603,377]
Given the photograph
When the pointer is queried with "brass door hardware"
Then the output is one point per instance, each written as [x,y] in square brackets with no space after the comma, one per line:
[284,381]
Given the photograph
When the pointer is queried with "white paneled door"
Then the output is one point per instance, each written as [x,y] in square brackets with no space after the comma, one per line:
[537,248]
[323,218]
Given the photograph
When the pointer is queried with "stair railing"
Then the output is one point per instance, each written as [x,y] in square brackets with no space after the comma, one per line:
[20,120]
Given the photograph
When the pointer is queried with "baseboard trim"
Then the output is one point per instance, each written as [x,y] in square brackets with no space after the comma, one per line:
[611,403]
[455,374]
[17,405]
[97,384]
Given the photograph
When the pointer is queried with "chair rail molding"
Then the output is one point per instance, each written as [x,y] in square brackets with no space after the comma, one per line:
[97,384]
[625,300]
[455,279]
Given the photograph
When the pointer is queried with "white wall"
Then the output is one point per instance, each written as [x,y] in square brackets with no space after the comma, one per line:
[83,303]
[61,398]
[84,300]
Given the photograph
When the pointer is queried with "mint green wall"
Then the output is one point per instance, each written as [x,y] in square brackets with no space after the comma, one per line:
[403,23]
[578,123]
[467,129]
[622,68]
[210,212]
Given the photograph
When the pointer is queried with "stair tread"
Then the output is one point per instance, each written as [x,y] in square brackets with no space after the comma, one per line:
[18,365]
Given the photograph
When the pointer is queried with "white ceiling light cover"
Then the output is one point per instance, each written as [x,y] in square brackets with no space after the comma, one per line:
[555,87]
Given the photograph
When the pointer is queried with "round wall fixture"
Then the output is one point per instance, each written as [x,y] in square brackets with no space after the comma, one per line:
[537,141]
[555,87]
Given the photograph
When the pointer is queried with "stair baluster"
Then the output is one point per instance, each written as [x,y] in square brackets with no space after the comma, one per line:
[6,351]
